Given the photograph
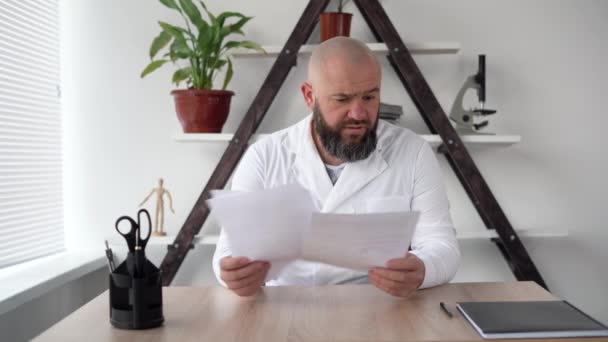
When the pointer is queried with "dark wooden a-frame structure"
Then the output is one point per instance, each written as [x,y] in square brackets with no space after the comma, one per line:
[414,82]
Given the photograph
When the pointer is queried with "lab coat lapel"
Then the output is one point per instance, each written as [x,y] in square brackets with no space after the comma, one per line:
[308,168]
[354,177]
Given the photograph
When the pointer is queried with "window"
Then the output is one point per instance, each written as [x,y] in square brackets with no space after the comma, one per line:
[31,211]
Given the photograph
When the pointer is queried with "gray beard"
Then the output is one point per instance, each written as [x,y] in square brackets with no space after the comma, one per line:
[331,139]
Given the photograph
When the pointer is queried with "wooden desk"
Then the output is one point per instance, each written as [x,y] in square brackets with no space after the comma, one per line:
[326,313]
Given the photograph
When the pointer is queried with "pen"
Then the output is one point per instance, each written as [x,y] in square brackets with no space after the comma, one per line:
[139,257]
[110,257]
[444,308]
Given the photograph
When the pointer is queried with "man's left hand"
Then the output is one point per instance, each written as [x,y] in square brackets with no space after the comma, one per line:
[401,277]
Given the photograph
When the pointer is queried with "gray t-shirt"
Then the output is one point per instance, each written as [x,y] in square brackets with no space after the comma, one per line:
[334,171]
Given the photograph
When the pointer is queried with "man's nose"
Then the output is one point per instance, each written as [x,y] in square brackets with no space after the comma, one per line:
[357,111]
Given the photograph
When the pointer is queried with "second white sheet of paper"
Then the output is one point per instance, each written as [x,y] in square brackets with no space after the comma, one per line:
[281,225]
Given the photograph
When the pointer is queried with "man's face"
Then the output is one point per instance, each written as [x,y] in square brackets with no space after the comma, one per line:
[349,147]
[346,109]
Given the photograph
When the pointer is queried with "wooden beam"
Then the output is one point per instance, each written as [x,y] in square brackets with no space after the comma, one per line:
[456,153]
[278,73]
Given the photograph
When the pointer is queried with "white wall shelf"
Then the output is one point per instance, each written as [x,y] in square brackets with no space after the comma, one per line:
[522,233]
[420,48]
[212,239]
[478,140]
[434,140]
[166,240]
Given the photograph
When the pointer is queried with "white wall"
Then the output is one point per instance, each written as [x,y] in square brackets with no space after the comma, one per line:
[546,77]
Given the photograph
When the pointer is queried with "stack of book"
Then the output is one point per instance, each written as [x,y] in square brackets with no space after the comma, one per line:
[389,112]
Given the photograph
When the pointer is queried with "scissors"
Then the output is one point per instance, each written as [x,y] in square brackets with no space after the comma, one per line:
[133,235]
[135,242]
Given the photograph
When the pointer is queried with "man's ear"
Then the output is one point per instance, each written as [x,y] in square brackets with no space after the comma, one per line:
[309,97]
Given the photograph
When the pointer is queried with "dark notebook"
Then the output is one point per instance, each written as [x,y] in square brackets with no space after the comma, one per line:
[544,319]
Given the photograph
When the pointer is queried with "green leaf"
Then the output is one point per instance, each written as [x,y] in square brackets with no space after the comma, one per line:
[175,31]
[182,74]
[245,44]
[170,4]
[205,39]
[235,28]
[239,24]
[153,66]
[222,17]
[217,39]
[203,25]
[220,63]
[159,42]
[192,12]
[231,45]
[211,16]
[229,73]
[179,49]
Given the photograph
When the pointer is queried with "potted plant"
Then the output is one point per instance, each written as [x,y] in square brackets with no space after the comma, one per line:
[204,47]
[334,24]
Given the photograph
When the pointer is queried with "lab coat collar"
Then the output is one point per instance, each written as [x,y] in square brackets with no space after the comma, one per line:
[309,170]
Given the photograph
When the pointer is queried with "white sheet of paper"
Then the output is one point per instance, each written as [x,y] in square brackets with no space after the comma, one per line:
[359,241]
[265,225]
[281,225]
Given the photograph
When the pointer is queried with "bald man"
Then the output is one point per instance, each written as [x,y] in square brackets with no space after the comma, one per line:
[351,162]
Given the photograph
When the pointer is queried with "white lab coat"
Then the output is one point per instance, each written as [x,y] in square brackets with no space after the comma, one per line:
[401,174]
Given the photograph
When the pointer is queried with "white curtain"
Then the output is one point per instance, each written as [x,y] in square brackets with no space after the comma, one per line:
[31,212]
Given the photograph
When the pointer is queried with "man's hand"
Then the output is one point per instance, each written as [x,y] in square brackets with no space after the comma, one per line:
[242,276]
[401,277]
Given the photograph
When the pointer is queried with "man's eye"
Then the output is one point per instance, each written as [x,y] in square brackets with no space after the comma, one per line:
[342,99]
[369,97]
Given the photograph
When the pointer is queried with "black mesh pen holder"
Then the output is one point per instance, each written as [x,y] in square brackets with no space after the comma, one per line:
[136,302]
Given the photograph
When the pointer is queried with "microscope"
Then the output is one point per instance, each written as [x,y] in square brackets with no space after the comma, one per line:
[465,119]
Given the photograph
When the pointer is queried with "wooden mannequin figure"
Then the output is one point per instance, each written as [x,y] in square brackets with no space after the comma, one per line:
[160,207]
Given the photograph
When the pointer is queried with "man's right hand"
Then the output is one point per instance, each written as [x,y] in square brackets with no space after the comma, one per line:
[242,276]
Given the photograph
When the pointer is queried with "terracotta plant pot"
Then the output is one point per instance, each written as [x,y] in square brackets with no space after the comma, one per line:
[335,24]
[202,111]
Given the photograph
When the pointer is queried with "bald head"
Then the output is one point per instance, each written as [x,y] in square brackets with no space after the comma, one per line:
[343,93]
[340,52]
